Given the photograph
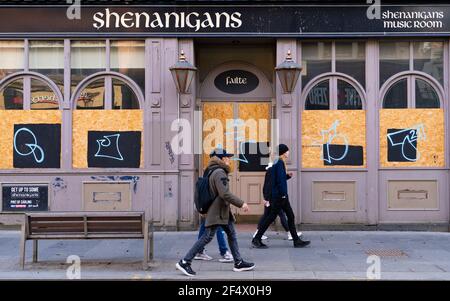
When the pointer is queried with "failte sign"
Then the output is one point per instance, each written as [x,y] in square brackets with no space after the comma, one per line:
[236,20]
[236,81]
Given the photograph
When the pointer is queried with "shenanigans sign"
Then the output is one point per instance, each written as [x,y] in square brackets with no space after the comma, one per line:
[236,20]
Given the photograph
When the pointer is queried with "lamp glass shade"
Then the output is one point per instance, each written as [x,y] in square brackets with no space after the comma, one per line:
[288,73]
[183,73]
[288,79]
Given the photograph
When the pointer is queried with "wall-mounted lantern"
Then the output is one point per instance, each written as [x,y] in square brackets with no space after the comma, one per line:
[183,73]
[288,72]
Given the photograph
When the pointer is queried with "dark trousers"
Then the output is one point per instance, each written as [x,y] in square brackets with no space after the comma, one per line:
[276,206]
[282,216]
[208,235]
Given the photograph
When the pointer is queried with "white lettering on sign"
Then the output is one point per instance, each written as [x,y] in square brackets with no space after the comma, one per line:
[235,80]
[193,20]
[50,99]
[412,19]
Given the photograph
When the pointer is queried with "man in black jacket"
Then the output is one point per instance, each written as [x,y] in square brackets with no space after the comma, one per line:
[267,192]
[279,201]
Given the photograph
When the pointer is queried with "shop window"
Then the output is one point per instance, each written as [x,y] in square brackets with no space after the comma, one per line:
[394,58]
[347,96]
[334,125]
[426,96]
[334,93]
[12,57]
[123,95]
[29,92]
[42,96]
[349,58]
[87,58]
[108,91]
[319,97]
[397,96]
[11,96]
[93,96]
[424,56]
[412,124]
[128,58]
[47,58]
[316,59]
[400,96]
[429,58]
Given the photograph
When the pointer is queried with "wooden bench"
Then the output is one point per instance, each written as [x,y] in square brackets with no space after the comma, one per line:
[86,225]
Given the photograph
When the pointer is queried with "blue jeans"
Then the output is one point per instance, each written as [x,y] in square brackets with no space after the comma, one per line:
[208,235]
[220,238]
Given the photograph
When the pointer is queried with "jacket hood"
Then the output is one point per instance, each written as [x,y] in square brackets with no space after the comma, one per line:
[215,161]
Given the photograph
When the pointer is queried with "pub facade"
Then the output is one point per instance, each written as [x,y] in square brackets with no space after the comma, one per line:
[91,109]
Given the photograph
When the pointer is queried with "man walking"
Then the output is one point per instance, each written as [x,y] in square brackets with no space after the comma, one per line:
[279,201]
[219,214]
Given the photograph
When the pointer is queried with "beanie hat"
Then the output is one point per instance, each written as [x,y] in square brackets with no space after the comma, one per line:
[282,148]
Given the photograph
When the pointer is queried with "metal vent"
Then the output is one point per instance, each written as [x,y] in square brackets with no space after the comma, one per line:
[386,252]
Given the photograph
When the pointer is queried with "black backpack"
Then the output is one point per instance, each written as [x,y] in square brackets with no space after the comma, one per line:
[204,197]
[267,187]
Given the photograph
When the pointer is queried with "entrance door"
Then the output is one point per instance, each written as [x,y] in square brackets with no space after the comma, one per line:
[242,128]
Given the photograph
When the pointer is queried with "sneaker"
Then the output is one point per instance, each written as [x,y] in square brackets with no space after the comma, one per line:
[227,257]
[290,236]
[243,266]
[203,256]
[262,237]
[258,244]
[301,243]
[185,268]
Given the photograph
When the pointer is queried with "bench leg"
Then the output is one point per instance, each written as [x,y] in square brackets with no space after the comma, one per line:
[145,263]
[151,241]
[35,250]
[148,244]
[22,249]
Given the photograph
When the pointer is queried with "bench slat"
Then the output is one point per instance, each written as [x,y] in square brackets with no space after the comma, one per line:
[56,224]
[91,236]
[85,224]
[55,218]
[114,218]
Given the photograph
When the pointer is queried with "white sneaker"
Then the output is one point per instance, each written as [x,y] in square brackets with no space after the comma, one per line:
[203,256]
[262,237]
[290,236]
[227,257]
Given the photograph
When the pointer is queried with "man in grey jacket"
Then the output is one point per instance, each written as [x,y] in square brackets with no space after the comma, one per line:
[219,214]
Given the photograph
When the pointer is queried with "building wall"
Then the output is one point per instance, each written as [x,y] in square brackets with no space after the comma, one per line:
[164,186]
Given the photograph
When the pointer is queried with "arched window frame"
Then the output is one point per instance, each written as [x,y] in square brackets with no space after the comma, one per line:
[333,78]
[411,77]
[27,76]
[108,76]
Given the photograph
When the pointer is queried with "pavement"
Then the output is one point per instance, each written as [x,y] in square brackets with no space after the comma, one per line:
[343,255]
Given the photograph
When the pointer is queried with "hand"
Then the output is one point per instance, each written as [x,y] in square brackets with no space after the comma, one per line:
[291,174]
[266,203]
[203,215]
[245,207]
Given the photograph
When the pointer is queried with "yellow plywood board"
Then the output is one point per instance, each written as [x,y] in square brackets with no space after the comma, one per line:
[256,117]
[430,135]
[10,117]
[215,116]
[101,120]
[345,127]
